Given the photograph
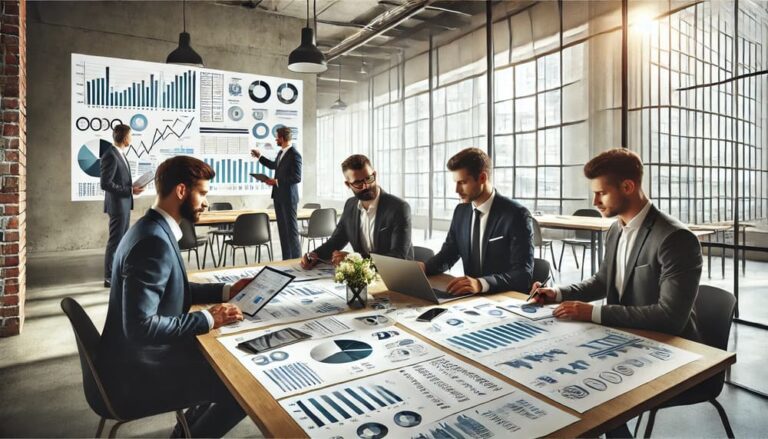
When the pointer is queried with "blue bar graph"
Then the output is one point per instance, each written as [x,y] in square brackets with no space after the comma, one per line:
[335,406]
[231,171]
[149,93]
[496,337]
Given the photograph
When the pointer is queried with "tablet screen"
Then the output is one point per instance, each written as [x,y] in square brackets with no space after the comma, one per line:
[261,290]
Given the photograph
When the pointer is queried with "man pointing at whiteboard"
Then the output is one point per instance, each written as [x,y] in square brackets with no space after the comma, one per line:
[285,191]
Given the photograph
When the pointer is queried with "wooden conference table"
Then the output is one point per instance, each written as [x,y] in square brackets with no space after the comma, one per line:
[274,421]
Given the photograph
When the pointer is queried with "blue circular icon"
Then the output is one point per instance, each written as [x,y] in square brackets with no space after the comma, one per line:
[275,128]
[139,122]
[454,322]
[260,130]
[278,356]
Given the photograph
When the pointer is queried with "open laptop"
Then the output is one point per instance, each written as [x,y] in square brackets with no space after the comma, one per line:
[405,277]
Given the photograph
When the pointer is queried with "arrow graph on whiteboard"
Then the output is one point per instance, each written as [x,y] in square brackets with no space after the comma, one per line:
[177,129]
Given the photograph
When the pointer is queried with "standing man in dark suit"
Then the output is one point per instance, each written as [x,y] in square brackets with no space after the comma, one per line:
[492,234]
[118,193]
[285,191]
[373,220]
[652,266]
[148,348]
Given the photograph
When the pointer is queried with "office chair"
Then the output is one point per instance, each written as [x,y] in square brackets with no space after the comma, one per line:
[322,223]
[190,242]
[714,307]
[100,398]
[539,242]
[251,229]
[583,239]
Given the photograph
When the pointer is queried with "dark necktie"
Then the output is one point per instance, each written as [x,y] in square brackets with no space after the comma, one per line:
[277,159]
[477,267]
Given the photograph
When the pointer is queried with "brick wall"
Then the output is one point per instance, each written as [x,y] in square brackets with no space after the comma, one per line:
[13,166]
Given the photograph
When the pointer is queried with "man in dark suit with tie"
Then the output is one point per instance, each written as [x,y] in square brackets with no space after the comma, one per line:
[118,190]
[652,266]
[148,348]
[492,234]
[373,221]
[285,191]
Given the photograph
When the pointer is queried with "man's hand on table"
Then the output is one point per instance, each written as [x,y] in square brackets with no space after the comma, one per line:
[338,256]
[573,310]
[541,296]
[224,314]
[238,286]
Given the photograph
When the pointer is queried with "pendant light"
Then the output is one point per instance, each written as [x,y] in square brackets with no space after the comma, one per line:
[363,71]
[307,58]
[184,54]
[339,105]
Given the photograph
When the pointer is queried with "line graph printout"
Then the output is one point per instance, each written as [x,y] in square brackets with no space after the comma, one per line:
[395,403]
[216,116]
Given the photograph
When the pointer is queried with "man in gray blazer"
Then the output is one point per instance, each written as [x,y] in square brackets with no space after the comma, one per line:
[652,266]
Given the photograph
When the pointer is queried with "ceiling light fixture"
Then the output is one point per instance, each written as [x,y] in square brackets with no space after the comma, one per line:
[184,54]
[307,58]
[339,105]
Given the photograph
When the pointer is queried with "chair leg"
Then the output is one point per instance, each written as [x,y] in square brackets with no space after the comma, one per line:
[649,427]
[101,427]
[723,417]
[197,258]
[575,258]
[552,251]
[205,253]
[224,255]
[113,430]
[583,256]
[269,251]
[245,255]
[562,250]
[183,421]
[637,426]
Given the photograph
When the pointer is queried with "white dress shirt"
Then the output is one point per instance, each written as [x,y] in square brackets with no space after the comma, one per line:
[122,156]
[368,223]
[280,159]
[623,250]
[177,234]
[485,208]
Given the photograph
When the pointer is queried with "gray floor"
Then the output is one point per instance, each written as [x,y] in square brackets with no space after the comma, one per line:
[42,392]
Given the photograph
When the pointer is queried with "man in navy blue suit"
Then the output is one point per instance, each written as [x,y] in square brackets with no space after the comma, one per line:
[148,348]
[285,191]
[492,234]
[118,193]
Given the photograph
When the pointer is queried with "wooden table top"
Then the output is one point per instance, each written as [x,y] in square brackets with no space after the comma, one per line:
[274,421]
[229,216]
[572,222]
[702,233]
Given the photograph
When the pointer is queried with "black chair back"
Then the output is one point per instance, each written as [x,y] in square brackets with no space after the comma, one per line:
[541,271]
[189,236]
[586,234]
[422,254]
[312,206]
[251,229]
[714,309]
[220,206]
[322,223]
[88,339]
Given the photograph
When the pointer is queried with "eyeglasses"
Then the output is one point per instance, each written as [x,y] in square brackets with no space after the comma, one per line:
[358,184]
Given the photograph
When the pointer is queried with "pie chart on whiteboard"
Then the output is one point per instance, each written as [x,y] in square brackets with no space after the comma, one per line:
[88,156]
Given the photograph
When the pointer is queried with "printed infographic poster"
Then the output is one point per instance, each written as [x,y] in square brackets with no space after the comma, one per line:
[214,115]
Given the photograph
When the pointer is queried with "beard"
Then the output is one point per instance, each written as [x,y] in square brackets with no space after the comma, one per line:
[366,195]
[189,212]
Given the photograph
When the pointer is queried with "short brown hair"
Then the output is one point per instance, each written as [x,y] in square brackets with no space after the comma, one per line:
[120,133]
[355,162]
[284,132]
[617,165]
[181,169]
[474,160]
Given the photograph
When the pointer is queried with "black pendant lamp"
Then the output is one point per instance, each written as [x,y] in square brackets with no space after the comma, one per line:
[307,58]
[184,54]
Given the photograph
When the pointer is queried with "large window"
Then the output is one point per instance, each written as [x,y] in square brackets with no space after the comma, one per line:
[691,123]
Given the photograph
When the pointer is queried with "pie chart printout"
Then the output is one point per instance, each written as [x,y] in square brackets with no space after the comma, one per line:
[341,351]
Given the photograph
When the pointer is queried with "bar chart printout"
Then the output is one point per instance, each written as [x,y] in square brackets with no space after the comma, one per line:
[158,91]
